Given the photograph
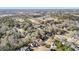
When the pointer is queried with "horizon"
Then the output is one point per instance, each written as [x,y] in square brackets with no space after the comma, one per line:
[39,7]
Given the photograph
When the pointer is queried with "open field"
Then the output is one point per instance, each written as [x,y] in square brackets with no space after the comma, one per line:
[39,30]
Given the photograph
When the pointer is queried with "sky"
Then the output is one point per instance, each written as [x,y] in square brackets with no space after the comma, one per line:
[39,3]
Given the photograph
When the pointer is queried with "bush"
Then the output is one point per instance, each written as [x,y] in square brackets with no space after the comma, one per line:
[61,47]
